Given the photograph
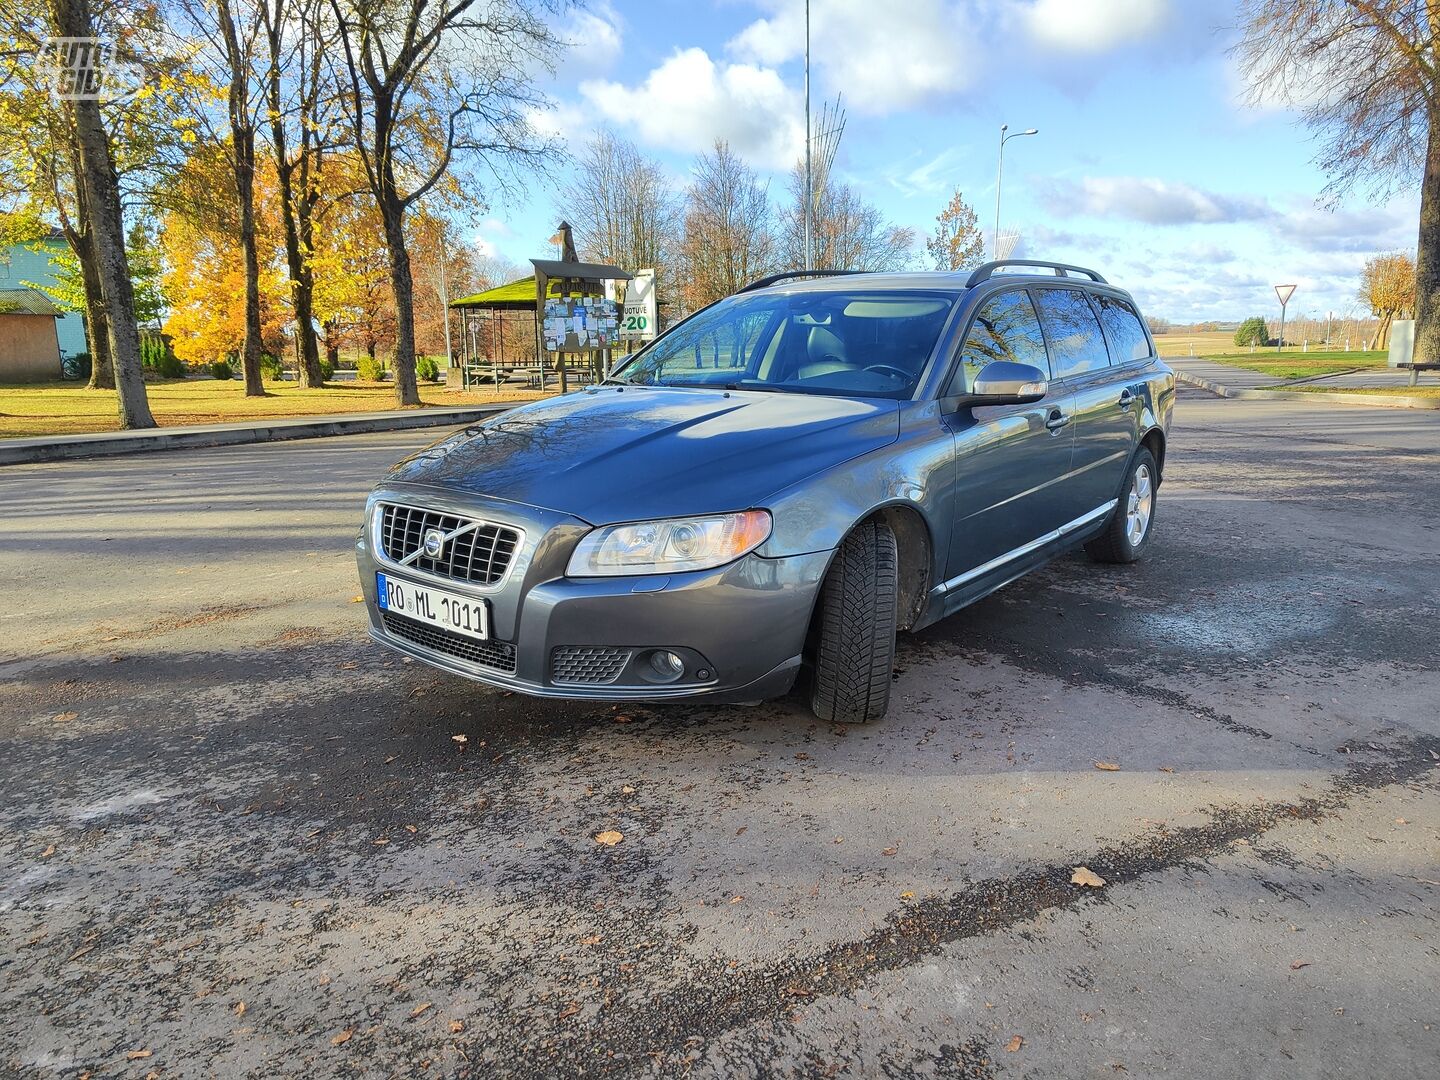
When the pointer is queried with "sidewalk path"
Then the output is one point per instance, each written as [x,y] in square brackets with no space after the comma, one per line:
[108,443]
[1235,382]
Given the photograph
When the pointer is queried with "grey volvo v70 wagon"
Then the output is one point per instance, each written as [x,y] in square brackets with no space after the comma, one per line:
[775,486]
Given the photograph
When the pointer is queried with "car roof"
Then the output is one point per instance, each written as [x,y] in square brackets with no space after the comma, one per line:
[989,275]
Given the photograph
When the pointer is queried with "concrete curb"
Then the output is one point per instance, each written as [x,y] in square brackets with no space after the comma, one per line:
[110,443]
[1389,401]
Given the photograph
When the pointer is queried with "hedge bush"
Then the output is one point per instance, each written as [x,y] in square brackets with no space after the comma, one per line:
[371,369]
[1253,331]
[426,368]
[271,367]
[222,370]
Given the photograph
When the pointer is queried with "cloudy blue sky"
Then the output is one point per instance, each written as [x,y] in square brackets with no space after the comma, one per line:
[1149,165]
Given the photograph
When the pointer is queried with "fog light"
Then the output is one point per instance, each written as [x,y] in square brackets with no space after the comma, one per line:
[666,665]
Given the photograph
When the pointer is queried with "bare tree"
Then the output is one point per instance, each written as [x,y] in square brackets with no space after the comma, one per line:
[426,82]
[957,243]
[848,233]
[299,98]
[101,199]
[729,228]
[622,207]
[1363,74]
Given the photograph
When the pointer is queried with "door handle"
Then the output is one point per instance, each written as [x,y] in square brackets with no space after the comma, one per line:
[1057,421]
[1126,399]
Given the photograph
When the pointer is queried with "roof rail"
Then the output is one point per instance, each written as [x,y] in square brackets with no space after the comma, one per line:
[986,272]
[775,279]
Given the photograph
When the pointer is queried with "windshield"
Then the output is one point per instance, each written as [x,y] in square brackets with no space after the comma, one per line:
[842,344]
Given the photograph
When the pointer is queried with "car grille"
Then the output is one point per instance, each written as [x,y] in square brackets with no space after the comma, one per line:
[499,655]
[482,554]
[587,664]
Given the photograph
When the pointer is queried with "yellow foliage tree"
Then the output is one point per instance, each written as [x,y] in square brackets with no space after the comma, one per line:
[1387,284]
[204,268]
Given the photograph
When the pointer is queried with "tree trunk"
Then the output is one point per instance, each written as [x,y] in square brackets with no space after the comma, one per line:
[295,213]
[97,339]
[403,286]
[302,281]
[107,230]
[1427,252]
[242,137]
[97,326]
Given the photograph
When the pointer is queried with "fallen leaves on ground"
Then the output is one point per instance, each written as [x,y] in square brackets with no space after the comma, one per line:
[457,1026]
[48,852]
[1083,875]
[422,1007]
[138,1055]
[593,939]
[1107,766]
[460,740]
[1014,1044]
[240,1008]
[609,837]
[569,1010]
[65,717]
[890,851]
[627,790]
[1298,964]
[907,895]
[357,599]
[736,899]
[343,1037]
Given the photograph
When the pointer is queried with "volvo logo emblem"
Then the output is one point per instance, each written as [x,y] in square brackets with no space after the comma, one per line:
[434,543]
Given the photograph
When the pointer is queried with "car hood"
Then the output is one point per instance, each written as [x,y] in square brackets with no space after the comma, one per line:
[613,454]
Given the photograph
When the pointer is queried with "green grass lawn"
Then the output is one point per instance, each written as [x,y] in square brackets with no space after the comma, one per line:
[1300,365]
[69,408]
[1423,390]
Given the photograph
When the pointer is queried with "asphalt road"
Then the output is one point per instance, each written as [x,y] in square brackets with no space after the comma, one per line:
[236,838]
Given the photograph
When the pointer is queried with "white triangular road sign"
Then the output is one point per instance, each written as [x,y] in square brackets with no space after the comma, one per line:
[1284,292]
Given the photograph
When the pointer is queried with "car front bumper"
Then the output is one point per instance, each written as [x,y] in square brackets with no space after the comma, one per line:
[740,628]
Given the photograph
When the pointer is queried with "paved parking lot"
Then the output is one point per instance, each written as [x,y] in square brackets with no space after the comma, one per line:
[238,839]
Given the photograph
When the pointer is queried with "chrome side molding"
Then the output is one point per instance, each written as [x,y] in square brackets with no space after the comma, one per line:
[1025,549]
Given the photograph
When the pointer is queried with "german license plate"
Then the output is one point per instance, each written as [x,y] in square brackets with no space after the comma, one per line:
[458,614]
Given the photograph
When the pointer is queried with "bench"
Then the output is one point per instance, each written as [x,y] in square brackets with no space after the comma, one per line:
[1415,370]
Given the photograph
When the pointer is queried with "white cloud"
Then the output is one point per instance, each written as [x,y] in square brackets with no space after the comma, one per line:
[595,38]
[901,56]
[1153,202]
[689,101]
[1093,26]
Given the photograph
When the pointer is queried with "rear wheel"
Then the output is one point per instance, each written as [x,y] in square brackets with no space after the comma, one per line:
[1128,530]
[854,638]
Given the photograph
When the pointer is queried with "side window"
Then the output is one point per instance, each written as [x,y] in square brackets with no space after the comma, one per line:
[1123,330]
[1076,343]
[1004,329]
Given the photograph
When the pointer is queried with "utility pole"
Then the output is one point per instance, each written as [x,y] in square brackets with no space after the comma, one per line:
[1284,292]
[809,190]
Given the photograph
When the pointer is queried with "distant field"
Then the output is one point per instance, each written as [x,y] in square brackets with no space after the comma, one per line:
[69,409]
[1203,344]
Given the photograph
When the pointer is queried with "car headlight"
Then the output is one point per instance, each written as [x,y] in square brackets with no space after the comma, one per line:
[671,546]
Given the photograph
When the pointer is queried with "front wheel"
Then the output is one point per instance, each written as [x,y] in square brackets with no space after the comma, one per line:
[854,638]
[1129,527]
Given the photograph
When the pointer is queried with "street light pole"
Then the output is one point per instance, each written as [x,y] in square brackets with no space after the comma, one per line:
[999,176]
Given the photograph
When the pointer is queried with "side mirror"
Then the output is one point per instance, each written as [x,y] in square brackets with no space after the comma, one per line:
[1002,382]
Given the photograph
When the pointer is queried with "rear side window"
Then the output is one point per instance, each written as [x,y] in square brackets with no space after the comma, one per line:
[1004,329]
[1122,329]
[1076,343]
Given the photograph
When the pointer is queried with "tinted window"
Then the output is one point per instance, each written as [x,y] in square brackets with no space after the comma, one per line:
[1076,343]
[1122,329]
[1004,329]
